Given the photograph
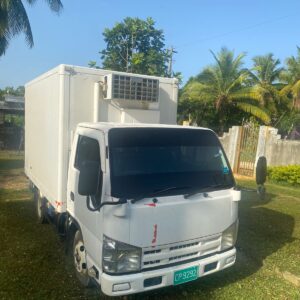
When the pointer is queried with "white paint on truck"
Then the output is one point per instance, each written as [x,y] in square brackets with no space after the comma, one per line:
[154,204]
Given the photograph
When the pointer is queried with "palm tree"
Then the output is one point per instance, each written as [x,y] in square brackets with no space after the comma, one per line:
[292,78]
[265,79]
[266,69]
[14,20]
[226,84]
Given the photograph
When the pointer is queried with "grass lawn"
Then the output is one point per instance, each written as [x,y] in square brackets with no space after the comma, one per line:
[33,264]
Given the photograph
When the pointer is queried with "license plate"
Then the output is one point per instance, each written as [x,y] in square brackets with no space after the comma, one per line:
[186,275]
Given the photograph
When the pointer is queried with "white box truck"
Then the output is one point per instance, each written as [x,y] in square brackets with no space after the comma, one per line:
[143,203]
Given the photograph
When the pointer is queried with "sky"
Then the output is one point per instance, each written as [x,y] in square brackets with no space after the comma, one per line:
[192,27]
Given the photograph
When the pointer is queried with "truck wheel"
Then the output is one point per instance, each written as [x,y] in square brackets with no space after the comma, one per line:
[41,208]
[79,259]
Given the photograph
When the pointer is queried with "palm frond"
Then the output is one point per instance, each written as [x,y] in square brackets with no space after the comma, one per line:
[18,21]
[197,91]
[254,110]
[210,77]
[296,89]
[206,76]
[238,81]
[252,76]
[246,93]
[3,45]
[3,18]
[238,61]
[266,68]
[286,90]
[55,5]
[14,20]
[292,74]
[31,2]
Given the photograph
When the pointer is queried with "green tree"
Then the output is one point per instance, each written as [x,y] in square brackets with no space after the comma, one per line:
[292,78]
[93,64]
[265,76]
[290,120]
[136,46]
[19,91]
[14,20]
[17,120]
[225,84]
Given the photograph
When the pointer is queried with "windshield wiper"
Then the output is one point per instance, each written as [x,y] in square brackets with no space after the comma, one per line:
[208,188]
[157,192]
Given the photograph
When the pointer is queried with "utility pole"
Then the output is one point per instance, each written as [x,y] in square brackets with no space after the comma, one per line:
[170,67]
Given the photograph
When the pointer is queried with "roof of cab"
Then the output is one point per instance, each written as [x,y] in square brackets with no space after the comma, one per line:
[106,126]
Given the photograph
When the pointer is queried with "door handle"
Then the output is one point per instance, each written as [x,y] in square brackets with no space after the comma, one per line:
[72,196]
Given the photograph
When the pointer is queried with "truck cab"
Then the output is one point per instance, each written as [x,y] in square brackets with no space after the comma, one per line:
[149,206]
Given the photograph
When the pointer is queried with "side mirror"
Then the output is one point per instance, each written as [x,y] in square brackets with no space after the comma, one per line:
[261,170]
[89,178]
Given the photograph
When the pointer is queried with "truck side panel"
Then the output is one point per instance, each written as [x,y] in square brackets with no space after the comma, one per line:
[168,103]
[41,134]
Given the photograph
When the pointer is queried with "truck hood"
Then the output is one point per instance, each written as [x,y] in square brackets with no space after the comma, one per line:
[173,219]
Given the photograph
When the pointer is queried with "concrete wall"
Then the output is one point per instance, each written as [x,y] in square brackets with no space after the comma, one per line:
[277,151]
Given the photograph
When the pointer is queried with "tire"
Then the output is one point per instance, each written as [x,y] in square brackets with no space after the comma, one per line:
[79,260]
[41,208]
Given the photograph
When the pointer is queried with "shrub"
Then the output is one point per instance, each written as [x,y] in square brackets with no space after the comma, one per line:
[285,174]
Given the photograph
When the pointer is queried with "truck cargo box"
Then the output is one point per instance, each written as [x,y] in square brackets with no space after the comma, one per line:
[58,100]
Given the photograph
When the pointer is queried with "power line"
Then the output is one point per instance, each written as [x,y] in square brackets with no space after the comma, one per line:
[237,31]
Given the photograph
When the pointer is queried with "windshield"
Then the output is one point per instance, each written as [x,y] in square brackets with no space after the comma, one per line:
[146,160]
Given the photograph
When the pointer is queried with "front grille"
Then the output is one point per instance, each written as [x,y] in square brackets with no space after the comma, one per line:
[184,246]
[152,252]
[182,256]
[179,252]
[152,262]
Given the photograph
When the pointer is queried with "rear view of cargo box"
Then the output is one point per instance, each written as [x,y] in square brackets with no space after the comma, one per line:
[45,120]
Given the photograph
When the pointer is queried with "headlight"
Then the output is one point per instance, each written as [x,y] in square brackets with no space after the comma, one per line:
[229,236]
[118,257]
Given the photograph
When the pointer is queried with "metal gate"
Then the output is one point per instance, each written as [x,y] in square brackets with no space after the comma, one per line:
[247,147]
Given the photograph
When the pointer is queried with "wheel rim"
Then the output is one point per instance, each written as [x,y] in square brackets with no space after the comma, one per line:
[79,257]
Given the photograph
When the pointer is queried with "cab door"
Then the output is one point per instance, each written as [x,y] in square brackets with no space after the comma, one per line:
[89,145]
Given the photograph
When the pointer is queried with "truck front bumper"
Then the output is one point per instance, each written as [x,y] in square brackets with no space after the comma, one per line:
[137,283]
